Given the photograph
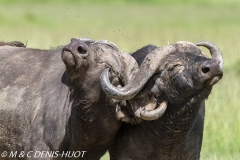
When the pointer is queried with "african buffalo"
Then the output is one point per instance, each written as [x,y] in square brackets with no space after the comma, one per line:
[12,43]
[48,106]
[191,146]
[175,80]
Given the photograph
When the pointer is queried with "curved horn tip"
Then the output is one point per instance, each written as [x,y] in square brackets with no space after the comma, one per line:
[205,43]
[214,50]
[154,114]
[113,91]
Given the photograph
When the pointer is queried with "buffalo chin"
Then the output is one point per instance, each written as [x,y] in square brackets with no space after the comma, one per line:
[212,81]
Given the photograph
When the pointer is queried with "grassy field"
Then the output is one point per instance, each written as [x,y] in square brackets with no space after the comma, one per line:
[134,24]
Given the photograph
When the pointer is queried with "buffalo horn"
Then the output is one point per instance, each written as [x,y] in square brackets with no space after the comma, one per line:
[146,71]
[215,52]
[154,114]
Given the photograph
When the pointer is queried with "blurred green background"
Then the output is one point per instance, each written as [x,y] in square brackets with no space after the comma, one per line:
[131,24]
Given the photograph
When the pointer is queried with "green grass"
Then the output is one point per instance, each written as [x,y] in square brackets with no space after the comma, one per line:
[133,25]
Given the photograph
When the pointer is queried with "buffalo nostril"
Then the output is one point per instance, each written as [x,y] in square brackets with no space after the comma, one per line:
[82,50]
[205,69]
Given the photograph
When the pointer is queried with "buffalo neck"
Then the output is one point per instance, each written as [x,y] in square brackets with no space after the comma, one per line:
[92,125]
[171,129]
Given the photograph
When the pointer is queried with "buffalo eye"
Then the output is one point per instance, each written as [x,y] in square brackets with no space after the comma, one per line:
[171,68]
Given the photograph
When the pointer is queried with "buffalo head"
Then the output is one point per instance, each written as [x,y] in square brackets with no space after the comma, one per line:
[170,74]
[86,55]
[86,59]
